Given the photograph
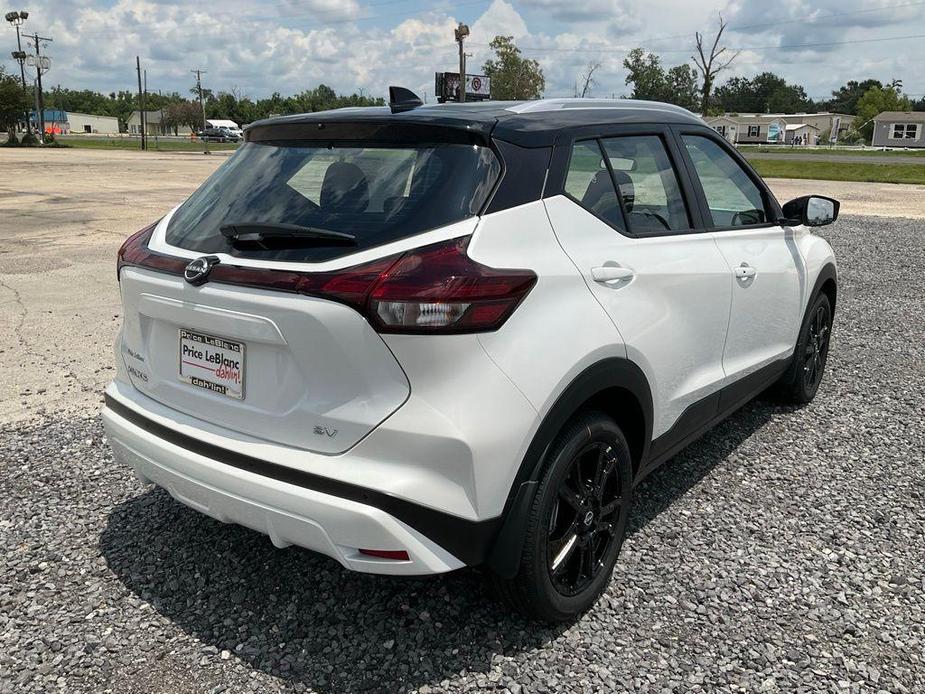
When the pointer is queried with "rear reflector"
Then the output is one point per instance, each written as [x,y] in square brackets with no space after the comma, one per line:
[394,554]
[433,289]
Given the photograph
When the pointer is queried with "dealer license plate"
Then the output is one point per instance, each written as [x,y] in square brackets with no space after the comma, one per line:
[212,363]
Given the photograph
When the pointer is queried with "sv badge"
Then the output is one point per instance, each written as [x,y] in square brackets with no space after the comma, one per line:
[324,431]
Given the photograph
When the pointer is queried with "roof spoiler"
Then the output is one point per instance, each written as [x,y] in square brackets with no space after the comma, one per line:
[401,99]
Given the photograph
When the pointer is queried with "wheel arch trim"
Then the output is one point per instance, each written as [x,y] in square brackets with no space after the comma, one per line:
[826,273]
[604,375]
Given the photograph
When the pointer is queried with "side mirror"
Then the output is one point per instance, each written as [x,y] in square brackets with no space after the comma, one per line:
[811,211]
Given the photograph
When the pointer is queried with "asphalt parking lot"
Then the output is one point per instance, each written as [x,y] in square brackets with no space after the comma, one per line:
[784,551]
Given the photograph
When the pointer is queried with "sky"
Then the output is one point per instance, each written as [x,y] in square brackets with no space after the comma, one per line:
[257,48]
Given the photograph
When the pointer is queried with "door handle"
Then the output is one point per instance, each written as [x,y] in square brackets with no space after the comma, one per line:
[611,273]
[745,272]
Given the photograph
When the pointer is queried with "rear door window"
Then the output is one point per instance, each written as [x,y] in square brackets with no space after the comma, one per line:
[589,184]
[379,194]
[647,183]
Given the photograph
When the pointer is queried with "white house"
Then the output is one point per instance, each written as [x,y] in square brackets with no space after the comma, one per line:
[60,122]
[79,123]
[801,134]
[154,124]
[899,129]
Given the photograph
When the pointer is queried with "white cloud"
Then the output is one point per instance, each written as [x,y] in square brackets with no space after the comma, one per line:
[291,45]
[499,19]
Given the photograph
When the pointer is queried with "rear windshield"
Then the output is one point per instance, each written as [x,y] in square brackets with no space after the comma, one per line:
[378,193]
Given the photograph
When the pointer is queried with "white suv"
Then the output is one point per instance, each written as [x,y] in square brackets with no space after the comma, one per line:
[417,338]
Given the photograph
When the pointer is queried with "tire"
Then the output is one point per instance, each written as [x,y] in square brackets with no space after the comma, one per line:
[800,382]
[575,530]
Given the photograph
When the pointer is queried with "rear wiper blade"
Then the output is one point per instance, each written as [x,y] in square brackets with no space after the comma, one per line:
[264,235]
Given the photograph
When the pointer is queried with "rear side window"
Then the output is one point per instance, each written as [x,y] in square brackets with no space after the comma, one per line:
[647,183]
[732,196]
[379,194]
[588,183]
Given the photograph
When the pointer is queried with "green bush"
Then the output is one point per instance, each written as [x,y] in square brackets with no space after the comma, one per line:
[29,140]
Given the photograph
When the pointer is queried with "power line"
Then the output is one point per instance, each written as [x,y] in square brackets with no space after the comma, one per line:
[814,18]
[818,19]
[40,67]
[202,105]
[815,44]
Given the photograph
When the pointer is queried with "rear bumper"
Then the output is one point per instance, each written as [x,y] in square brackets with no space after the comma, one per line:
[290,506]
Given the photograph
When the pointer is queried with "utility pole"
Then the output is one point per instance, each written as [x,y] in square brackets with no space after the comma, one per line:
[462,31]
[141,101]
[202,105]
[17,19]
[144,105]
[38,71]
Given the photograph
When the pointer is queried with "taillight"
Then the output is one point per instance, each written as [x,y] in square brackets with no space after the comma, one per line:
[133,249]
[434,289]
[439,288]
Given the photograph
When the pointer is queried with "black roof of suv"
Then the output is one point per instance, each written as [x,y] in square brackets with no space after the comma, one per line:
[525,123]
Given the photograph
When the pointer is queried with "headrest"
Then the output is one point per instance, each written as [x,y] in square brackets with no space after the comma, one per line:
[599,187]
[344,188]
[626,188]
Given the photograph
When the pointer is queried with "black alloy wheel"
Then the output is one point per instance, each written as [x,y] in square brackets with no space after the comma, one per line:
[576,522]
[801,381]
[816,349]
[583,519]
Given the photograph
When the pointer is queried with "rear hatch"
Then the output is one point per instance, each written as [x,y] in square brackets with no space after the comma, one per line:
[272,340]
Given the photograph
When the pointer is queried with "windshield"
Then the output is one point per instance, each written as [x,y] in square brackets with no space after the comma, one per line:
[377,193]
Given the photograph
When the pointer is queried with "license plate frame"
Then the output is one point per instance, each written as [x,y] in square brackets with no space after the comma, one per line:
[219,355]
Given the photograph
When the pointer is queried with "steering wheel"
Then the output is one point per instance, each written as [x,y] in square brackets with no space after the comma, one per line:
[747,217]
[661,220]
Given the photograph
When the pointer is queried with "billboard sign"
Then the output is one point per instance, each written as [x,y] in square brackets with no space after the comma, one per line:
[478,85]
[446,87]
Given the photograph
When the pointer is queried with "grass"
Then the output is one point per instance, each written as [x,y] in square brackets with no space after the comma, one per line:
[126,143]
[837,171]
[804,151]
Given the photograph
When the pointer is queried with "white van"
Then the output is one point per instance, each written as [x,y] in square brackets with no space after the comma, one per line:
[225,125]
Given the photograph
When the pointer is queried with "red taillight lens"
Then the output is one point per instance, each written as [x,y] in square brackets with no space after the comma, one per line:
[134,249]
[439,288]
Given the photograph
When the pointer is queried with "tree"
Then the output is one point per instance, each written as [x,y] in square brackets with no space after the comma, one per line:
[586,80]
[845,98]
[644,71]
[711,66]
[677,85]
[877,100]
[683,90]
[764,93]
[182,113]
[512,76]
[14,102]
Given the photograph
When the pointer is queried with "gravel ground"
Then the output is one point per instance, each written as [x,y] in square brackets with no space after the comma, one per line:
[783,552]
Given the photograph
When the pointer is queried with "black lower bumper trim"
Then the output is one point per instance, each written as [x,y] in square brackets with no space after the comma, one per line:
[468,541]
